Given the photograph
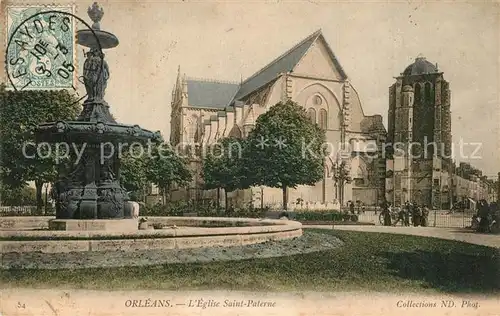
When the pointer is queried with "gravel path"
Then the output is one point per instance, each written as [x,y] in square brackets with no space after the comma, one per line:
[309,242]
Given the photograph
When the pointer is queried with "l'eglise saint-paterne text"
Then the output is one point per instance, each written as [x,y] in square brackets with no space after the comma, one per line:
[201,303]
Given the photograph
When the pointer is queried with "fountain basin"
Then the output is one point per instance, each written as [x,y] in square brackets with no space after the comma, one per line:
[169,237]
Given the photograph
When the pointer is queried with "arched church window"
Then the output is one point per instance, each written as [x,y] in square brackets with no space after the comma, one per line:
[428,92]
[311,113]
[323,119]
[417,93]
[192,128]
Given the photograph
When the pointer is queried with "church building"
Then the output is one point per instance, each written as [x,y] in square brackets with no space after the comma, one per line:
[205,110]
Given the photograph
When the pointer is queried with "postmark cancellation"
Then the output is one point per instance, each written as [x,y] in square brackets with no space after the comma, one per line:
[40,47]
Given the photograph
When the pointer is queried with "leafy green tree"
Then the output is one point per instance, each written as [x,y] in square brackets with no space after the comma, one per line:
[285,149]
[133,175]
[20,113]
[25,196]
[222,166]
[165,167]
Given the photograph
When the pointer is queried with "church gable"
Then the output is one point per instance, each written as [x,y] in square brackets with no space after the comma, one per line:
[320,62]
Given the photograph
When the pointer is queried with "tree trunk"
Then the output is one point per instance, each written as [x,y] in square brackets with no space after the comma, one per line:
[285,198]
[39,199]
[341,194]
[261,198]
[218,198]
[164,196]
[226,206]
[168,197]
[46,199]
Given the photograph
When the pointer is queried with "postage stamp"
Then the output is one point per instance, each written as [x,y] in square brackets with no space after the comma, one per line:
[40,48]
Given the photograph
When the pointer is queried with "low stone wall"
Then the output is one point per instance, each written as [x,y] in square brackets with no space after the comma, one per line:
[25,222]
[42,222]
[51,241]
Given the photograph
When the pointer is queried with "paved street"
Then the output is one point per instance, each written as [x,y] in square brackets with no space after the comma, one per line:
[459,234]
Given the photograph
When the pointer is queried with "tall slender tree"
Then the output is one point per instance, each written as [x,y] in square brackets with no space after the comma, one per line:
[133,175]
[222,166]
[165,167]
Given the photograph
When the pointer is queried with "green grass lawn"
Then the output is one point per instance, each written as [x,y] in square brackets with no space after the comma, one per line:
[367,261]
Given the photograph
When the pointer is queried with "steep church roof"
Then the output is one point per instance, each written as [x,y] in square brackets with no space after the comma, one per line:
[216,94]
[282,64]
[209,93]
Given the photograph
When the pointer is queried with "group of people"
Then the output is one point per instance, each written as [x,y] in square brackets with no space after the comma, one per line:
[419,214]
[486,219]
[352,208]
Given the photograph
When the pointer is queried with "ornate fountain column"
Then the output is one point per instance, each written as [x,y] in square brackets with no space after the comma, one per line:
[103,196]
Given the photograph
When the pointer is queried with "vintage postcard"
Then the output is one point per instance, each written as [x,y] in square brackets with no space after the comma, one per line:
[249,157]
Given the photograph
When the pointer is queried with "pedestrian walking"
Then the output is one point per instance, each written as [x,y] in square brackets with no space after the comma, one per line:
[484,214]
[351,207]
[425,216]
[401,216]
[416,215]
[386,211]
[406,213]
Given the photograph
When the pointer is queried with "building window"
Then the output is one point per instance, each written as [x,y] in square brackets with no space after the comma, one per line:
[417,93]
[311,113]
[192,128]
[428,92]
[359,182]
[154,190]
[323,119]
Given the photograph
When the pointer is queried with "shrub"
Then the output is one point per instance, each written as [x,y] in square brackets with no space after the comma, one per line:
[161,210]
[334,216]
[180,208]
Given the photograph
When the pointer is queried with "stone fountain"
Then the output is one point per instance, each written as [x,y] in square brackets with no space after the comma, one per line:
[92,204]
[89,193]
